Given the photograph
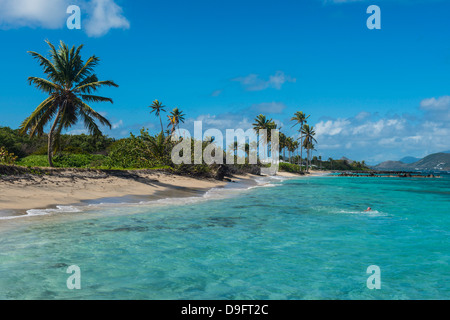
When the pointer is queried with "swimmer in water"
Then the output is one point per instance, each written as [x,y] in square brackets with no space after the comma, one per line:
[368,209]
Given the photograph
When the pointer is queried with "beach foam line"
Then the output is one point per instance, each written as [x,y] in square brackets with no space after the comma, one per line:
[43,212]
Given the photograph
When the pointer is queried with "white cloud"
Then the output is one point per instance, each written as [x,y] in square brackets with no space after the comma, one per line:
[254,82]
[269,107]
[117,125]
[49,14]
[98,16]
[376,139]
[439,104]
[104,16]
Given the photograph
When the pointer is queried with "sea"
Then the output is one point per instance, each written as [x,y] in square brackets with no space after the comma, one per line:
[306,238]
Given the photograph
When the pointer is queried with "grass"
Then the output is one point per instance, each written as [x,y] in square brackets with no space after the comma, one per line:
[64,161]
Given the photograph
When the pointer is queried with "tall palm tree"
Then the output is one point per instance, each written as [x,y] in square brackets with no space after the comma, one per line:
[290,146]
[175,118]
[262,123]
[300,118]
[157,108]
[283,144]
[309,133]
[70,83]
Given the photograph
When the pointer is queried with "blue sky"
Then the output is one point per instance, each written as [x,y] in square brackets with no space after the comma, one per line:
[373,95]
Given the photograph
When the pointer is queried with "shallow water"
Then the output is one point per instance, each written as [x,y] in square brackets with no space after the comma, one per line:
[291,239]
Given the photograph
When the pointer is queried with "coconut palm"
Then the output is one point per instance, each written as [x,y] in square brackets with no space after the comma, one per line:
[175,118]
[308,133]
[157,108]
[290,144]
[70,84]
[300,118]
[283,144]
[262,123]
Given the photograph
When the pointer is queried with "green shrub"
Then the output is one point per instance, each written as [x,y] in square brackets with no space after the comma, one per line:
[289,167]
[6,157]
[65,161]
[33,161]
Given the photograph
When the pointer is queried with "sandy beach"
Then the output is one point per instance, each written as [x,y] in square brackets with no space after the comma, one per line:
[67,187]
[19,193]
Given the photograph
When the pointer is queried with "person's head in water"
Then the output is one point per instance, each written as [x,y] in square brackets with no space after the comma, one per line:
[369,209]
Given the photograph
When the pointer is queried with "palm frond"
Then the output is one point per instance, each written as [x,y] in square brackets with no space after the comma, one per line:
[93,86]
[83,107]
[39,115]
[44,85]
[91,98]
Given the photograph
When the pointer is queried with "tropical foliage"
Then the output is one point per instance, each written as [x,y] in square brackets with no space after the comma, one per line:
[70,85]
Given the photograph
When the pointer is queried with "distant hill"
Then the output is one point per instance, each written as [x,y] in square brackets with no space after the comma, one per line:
[437,161]
[349,161]
[392,166]
[409,160]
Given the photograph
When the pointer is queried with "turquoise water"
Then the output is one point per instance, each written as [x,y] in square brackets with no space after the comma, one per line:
[295,239]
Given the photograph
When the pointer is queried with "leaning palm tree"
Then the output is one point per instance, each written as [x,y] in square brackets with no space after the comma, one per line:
[70,83]
[300,118]
[157,108]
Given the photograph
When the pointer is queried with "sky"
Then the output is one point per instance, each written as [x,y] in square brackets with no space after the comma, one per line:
[373,95]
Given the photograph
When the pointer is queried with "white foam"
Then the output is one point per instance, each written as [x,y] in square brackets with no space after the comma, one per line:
[43,212]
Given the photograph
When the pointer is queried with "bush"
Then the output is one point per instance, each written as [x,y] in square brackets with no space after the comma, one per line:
[289,167]
[6,157]
[79,160]
[33,161]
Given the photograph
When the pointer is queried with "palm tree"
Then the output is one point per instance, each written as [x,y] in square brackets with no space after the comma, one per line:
[246,148]
[175,118]
[300,119]
[309,133]
[262,123]
[234,146]
[157,108]
[283,144]
[290,146]
[331,162]
[70,83]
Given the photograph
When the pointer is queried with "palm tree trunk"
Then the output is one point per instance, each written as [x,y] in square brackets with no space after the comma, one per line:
[162,128]
[301,152]
[50,139]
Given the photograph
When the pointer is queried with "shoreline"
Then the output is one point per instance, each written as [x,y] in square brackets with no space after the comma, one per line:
[24,193]
[21,194]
